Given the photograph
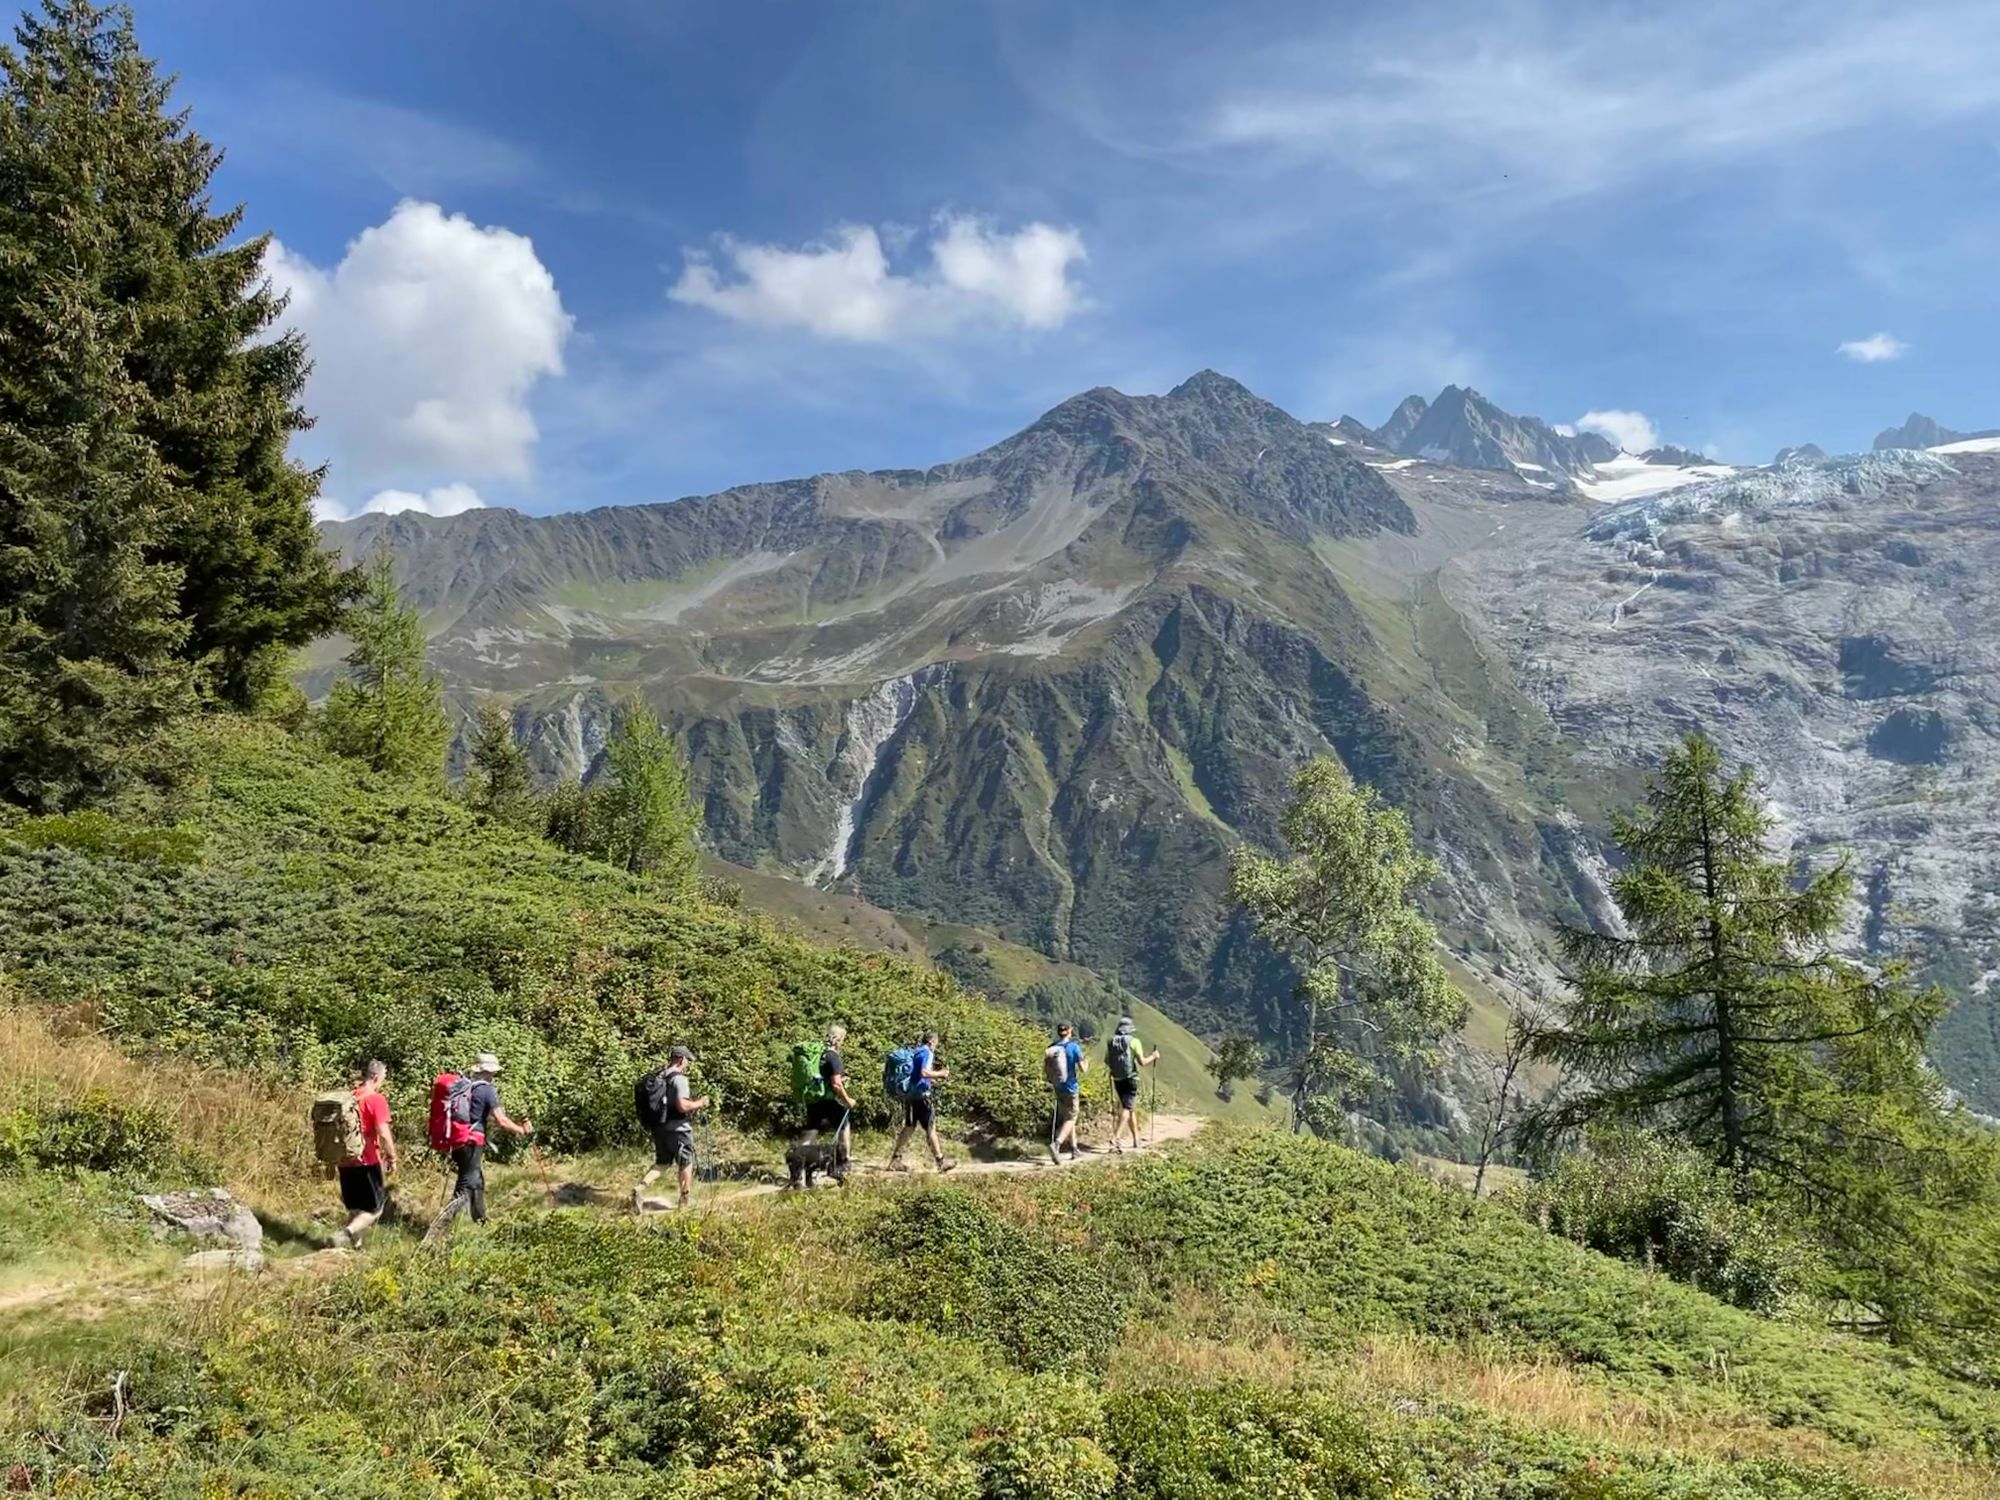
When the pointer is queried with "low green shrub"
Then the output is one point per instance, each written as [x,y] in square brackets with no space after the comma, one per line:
[1223,1442]
[954,1265]
[1632,1195]
[95,1132]
[100,836]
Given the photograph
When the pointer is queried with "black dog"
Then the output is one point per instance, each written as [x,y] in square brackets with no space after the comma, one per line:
[809,1155]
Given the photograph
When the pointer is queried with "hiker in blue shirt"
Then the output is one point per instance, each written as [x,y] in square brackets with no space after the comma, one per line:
[920,1108]
[1064,1067]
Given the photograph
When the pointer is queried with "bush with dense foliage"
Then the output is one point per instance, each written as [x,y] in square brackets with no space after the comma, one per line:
[1646,1200]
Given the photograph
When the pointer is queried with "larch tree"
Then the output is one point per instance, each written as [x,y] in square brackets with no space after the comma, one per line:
[1721,1016]
[1343,907]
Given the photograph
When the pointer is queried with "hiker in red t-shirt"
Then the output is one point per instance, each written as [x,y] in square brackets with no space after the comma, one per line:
[363,1186]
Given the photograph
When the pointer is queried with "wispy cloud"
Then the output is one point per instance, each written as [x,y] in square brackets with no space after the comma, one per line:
[1632,431]
[848,289]
[1874,349]
[416,154]
[1558,102]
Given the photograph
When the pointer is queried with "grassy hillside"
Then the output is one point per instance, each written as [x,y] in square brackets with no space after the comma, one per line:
[1255,1315]
[288,912]
[1245,1314]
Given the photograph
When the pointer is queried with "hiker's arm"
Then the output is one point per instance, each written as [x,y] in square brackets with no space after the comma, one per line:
[689,1106]
[525,1127]
[385,1146]
[931,1072]
[840,1091]
[1151,1058]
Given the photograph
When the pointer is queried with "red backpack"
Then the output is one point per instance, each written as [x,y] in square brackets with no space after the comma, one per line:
[451,1113]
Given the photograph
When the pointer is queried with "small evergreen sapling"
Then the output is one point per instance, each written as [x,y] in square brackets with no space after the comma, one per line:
[388,711]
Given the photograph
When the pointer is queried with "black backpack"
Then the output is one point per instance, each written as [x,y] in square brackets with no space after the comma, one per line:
[649,1098]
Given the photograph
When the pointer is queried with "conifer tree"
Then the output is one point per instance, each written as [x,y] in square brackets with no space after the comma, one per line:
[105,192]
[641,816]
[92,645]
[500,786]
[1721,1017]
[1343,907]
[388,711]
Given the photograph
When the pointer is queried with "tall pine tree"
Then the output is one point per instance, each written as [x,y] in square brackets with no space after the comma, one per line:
[499,786]
[93,647]
[95,159]
[641,815]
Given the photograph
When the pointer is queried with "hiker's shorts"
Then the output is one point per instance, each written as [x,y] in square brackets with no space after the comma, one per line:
[673,1148]
[824,1115]
[920,1112]
[1065,1107]
[1128,1092]
[362,1190]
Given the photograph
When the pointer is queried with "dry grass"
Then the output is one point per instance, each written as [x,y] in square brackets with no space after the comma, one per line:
[1207,1340]
[255,1131]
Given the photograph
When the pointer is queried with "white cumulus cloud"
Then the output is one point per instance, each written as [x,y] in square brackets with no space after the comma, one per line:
[848,289]
[427,339]
[1874,349]
[445,500]
[1632,431]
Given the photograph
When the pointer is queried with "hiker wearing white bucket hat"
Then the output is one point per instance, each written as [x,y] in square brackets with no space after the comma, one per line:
[482,1107]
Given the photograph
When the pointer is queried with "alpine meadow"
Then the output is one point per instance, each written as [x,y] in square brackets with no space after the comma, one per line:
[1190,952]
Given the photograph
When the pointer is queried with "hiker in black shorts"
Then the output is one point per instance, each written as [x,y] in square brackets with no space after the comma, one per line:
[469,1191]
[673,1136]
[920,1108]
[832,1112]
[1124,1056]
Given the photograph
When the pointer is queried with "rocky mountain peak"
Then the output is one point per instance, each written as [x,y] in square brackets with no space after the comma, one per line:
[1403,421]
[1920,431]
[1463,427]
[1669,453]
[1803,453]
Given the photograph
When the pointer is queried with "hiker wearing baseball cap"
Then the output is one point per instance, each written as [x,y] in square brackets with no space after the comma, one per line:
[667,1107]
[482,1106]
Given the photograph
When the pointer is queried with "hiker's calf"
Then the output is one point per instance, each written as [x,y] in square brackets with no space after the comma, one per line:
[809,1155]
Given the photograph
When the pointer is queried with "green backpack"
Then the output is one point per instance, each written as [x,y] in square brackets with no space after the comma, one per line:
[808,1084]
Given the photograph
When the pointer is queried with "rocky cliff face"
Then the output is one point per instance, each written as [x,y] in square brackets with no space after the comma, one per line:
[1836,624]
[1046,689]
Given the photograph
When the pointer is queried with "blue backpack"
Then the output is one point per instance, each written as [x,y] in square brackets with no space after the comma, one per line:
[899,1074]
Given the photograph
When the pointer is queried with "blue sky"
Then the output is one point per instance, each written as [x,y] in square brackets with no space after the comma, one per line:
[556,255]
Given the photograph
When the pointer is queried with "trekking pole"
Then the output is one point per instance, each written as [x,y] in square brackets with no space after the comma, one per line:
[535,1155]
[1152,1105]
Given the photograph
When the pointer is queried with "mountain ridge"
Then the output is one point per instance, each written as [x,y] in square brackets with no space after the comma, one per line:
[1045,690]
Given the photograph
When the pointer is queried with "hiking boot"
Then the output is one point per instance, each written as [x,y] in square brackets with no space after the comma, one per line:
[946,1163]
[342,1240]
[638,1200]
[896,1164]
[1055,1156]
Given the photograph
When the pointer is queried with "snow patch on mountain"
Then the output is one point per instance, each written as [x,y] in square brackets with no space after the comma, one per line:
[1627,477]
[1852,475]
